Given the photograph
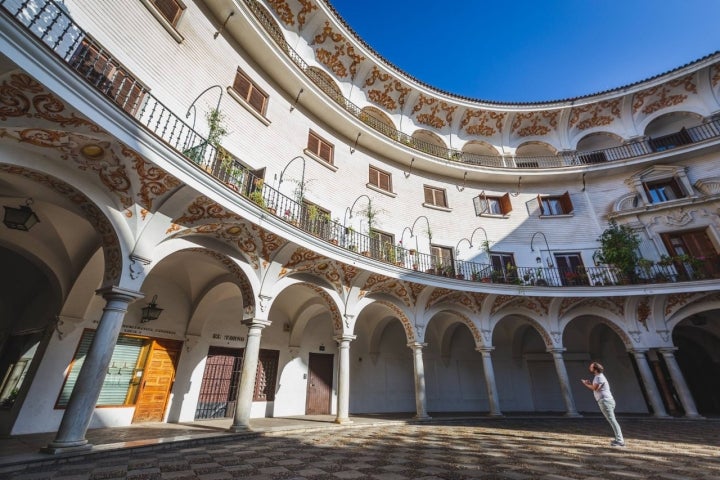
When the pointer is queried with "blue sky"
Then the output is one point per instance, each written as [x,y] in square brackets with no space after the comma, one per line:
[533,50]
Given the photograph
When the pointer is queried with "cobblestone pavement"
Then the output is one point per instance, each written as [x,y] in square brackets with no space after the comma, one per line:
[490,448]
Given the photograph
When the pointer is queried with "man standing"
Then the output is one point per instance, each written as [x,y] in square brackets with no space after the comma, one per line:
[601,389]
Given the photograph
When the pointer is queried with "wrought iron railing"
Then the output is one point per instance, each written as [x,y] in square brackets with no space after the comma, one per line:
[50,24]
[633,149]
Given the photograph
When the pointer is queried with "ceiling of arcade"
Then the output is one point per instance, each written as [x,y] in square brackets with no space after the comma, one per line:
[351,60]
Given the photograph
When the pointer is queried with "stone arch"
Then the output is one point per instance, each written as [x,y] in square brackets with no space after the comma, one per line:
[670,122]
[598,141]
[326,83]
[610,319]
[479,147]
[332,306]
[535,148]
[373,115]
[429,137]
[462,315]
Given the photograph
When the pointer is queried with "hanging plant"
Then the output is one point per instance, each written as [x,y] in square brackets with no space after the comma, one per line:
[619,248]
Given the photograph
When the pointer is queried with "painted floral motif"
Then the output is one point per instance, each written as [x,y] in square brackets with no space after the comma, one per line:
[663,96]
[391,93]
[534,123]
[594,114]
[343,61]
[434,113]
[482,122]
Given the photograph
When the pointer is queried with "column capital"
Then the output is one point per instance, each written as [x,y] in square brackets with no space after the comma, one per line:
[668,350]
[638,351]
[256,322]
[113,292]
[344,338]
[485,349]
[556,350]
[416,345]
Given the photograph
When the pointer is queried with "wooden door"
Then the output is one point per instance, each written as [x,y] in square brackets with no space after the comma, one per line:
[695,243]
[320,380]
[157,380]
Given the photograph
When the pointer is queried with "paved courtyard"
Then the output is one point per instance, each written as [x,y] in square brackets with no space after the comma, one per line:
[489,448]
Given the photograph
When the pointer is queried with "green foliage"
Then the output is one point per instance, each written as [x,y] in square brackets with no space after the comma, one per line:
[217,130]
[619,247]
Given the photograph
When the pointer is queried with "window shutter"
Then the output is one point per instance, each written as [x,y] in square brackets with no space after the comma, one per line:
[313,144]
[374,177]
[429,196]
[566,203]
[242,85]
[384,181]
[257,100]
[170,9]
[540,203]
[505,205]
[440,196]
[325,152]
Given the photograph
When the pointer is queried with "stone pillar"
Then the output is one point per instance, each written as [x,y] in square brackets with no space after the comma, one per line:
[670,403]
[241,421]
[679,382]
[490,381]
[79,411]
[649,384]
[570,410]
[420,403]
[343,398]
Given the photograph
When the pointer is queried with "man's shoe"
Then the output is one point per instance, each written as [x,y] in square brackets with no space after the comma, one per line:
[615,443]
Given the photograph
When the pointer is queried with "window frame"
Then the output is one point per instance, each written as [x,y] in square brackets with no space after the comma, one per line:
[563,201]
[169,26]
[651,186]
[433,197]
[376,182]
[246,97]
[317,151]
[502,201]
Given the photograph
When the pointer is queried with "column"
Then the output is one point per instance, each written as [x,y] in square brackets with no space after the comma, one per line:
[570,410]
[74,424]
[490,381]
[667,396]
[420,404]
[649,384]
[241,421]
[343,398]
[678,380]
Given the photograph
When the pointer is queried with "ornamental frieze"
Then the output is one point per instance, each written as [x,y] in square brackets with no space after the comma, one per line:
[437,295]
[154,181]
[611,304]
[339,56]
[664,96]
[473,329]
[594,114]
[677,300]
[433,112]
[482,122]
[285,13]
[529,124]
[643,312]
[388,93]
[392,286]
[400,315]
[332,306]
[202,208]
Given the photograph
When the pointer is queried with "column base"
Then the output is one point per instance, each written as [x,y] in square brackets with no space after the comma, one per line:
[238,428]
[343,421]
[695,416]
[495,414]
[423,418]
[661,415]
[573,415]
[55,448]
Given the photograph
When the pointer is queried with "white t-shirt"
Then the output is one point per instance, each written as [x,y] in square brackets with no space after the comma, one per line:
[602,393]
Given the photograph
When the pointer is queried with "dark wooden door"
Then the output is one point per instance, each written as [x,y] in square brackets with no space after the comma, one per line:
[320,380]
[157,381]
[695,243]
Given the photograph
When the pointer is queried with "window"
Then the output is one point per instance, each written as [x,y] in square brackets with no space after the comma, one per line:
[266,376]
[250,93]
[320,148]
[492,205]
[107,75]
[443,260]
[571,269]
[555,205]
[663,190]
[380,179]
[118,387]
[382,246]
[316,219]
[503,267]
[171,10]
[435,196]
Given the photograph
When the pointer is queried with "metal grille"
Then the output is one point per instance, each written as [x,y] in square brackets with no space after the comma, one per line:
[220,383]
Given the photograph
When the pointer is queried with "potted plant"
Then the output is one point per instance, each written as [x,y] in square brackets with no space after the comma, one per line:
[619,248]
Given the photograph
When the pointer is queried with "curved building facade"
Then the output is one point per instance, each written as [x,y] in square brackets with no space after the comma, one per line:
[239,209]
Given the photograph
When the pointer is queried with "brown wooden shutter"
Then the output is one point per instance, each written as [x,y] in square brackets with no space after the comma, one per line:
[242,85]
[170,9]
[384,181]
[313,144]
[325,152]
[429,196]
[505,205]
[566,203]
[374,177]
[257,100]
[440,196]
